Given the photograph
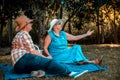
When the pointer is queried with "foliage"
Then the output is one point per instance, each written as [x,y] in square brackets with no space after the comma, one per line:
[80,15]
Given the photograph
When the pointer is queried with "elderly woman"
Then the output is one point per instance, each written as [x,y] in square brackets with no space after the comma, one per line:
[26,59]
[56,45]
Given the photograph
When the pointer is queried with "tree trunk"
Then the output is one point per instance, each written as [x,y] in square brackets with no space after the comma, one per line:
[1,30]
[61,12]
[73,13]
[98,27]
[42,29]
[10,30]
[102,35]
[115,37]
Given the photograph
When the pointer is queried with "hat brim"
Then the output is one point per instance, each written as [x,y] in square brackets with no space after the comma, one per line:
[57,20]
[18,28]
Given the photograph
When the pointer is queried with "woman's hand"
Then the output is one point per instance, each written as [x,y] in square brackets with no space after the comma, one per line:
[89,32]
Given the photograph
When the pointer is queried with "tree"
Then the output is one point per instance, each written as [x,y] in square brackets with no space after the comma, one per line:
[78,13]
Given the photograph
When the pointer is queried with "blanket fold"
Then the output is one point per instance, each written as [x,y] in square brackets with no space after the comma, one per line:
[9,73]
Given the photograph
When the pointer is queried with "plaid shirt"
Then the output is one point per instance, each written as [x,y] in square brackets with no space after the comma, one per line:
[21,44]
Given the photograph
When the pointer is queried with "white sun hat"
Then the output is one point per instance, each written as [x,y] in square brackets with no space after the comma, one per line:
[53,22]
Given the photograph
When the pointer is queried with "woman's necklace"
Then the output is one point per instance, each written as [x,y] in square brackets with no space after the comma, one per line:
[56,34]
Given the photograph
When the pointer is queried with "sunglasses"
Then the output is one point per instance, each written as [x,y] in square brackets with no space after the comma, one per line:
[58,23]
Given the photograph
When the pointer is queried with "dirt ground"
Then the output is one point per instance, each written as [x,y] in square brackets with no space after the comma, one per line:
[111,59]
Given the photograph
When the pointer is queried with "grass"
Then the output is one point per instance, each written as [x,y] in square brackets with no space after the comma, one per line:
[111,53]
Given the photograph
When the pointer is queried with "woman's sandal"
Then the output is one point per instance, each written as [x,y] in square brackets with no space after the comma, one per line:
[98,60]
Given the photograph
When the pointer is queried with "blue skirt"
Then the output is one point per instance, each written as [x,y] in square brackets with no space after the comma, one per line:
[69,55]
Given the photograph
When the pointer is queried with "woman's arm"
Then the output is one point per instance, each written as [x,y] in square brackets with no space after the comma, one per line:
[46,44]
[78,37]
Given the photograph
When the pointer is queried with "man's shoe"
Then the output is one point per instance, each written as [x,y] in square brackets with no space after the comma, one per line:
[38,73]
[77,74]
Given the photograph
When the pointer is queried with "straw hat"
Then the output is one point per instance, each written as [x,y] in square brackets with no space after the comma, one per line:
[53,22]
[21,22]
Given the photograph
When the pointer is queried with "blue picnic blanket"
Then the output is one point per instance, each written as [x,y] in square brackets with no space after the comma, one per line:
[9,73]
